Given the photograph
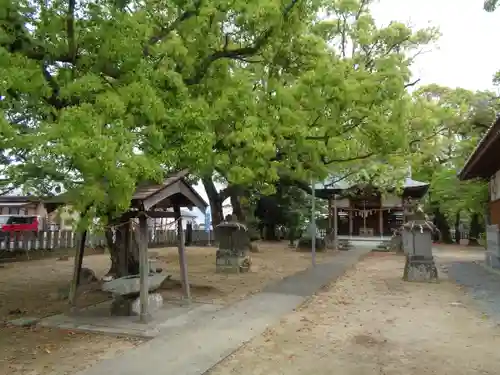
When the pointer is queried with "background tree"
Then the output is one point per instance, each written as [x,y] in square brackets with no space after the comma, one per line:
[98,97]
[454,121]
[490,5]
[333,96]
[288,209]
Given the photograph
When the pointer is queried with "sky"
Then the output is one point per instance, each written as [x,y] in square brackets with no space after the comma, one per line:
[466,55]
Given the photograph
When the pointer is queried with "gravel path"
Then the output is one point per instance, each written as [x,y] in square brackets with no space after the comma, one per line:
[467,270]
[371,322]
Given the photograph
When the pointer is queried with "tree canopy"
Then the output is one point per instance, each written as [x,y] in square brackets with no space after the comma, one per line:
[97,97]
[490,5]
[454,121]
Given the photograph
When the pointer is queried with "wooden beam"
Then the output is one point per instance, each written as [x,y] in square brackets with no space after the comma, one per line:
[381,221]
[77,268]
[143,269]
[350,223]
[330,214]
[193,196]
[154,214]
[335,224]
[182,256]
[161,195]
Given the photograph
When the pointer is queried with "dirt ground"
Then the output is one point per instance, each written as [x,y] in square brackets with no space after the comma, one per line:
[36,288]
[371,322]
[274,261]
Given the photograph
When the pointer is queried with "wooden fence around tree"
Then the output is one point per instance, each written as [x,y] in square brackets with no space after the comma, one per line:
[54,240]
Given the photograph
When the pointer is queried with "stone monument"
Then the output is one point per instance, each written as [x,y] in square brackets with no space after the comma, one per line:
[126,293]
[492,254]
[417,246]
[232,256]
[397,241]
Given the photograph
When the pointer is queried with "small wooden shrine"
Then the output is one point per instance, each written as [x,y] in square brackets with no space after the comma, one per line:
[150,200]
[363,210]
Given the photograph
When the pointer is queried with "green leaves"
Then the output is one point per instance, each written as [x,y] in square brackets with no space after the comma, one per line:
[490,5]
[117,93]
[450,123]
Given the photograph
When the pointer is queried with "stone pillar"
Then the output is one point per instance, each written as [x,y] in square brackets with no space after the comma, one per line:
[232,256]
[492,254]
[417,245]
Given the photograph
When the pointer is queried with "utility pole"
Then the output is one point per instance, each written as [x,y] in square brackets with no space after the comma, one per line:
[313,224]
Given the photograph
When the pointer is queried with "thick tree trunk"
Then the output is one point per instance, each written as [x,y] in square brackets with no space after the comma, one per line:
[458,235]
[441,223]
[124,258]
[270,232]
[237,209]
[244,213]
[215,200]
[475,230]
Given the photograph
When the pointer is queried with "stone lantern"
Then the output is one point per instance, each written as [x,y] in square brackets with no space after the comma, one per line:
[234,244]
[417,245]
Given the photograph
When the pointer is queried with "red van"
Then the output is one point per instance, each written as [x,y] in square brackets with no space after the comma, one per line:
[19,223]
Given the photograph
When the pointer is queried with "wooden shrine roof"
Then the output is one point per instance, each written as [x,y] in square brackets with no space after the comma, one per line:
[327,188]
[484,161]
[173,191]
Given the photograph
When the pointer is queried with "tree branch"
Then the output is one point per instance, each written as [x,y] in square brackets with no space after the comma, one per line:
[70,29]
[238,53]
[306,186]
[411,84]
[163,32]
[54,99]
[345,160]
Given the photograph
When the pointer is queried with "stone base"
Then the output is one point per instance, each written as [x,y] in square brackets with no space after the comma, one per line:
[419,268]
[229,262]
[131,306]
[491,259]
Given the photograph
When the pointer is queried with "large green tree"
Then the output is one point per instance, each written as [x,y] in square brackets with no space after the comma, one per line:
[332,97]
[97,97]
[451,122]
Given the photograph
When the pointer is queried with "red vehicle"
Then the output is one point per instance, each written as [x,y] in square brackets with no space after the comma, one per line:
[19,223]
